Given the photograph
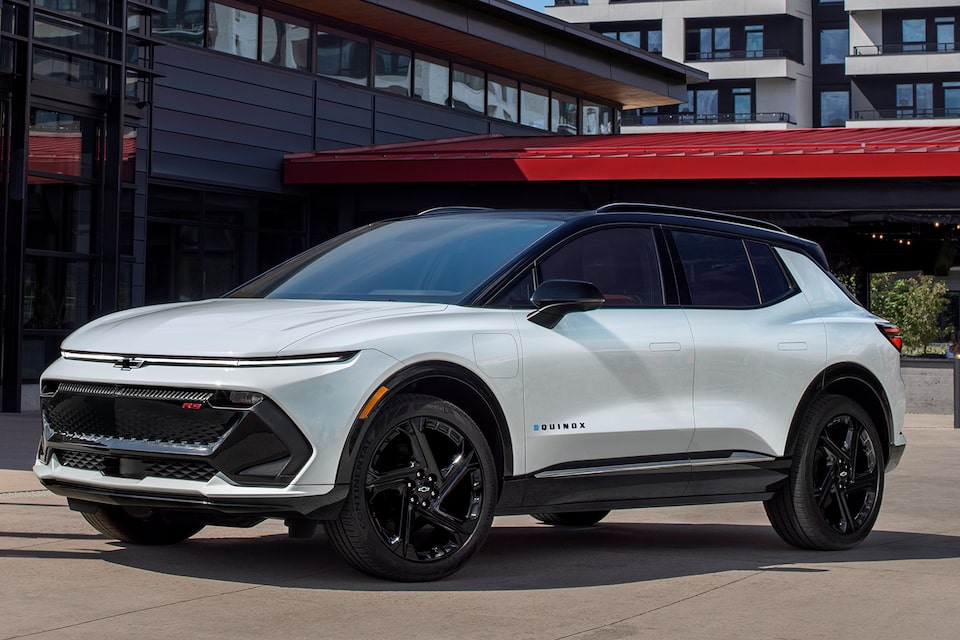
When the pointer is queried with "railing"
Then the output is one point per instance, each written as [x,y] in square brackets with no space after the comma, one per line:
[906,113]
[707,56]
[652,119]
[911,47]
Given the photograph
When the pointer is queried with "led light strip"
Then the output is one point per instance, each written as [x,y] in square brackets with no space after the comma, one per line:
[136,362]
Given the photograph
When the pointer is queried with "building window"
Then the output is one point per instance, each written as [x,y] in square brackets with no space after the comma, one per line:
[714,43]
[201,244]
[431,80]
[534,106]
[596,119]
[468,89]
[392,72]
[655,41]
[914,33]
[183,21]
[915,100]
[563,114]
[834,108]
[834,46]
[754,34]
[946,34]
[951,99]
[233,28]
[644,36]
[98,11]
[502,98]
[343,57]
[742,104]
[702,106]
[285,42]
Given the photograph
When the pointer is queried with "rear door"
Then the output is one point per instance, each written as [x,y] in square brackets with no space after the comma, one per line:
[758,343]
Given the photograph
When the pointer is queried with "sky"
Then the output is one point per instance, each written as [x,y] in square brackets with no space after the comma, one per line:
[533,4]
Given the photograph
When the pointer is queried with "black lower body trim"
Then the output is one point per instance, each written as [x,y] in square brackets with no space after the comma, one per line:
[325,507]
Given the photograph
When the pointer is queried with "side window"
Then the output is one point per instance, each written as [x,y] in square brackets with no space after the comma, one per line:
[517,295]
[717,269]
[621,261]
[773,282]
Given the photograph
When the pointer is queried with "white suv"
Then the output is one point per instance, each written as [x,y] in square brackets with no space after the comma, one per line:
[406,382]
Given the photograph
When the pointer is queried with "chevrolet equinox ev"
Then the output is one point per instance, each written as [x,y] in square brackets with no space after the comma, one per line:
[407,381]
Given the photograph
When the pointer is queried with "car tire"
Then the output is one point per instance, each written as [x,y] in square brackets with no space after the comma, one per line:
[151,529]
[832,496]
[572,518]
[422,492]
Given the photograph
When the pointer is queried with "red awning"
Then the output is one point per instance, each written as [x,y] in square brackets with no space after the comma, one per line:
[889,152]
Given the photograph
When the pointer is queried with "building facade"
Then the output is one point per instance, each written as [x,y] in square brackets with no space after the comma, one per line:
[142,142]
[777,64]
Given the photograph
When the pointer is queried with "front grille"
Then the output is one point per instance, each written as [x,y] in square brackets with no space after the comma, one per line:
[81,460]
[148,393]
[157,415]
[137,467]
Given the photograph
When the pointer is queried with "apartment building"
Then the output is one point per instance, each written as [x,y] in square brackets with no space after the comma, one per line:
[779,64]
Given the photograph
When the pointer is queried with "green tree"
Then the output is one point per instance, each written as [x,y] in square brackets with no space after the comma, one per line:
[914,305]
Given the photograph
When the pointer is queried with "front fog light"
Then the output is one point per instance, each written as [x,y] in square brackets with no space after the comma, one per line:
[245,398]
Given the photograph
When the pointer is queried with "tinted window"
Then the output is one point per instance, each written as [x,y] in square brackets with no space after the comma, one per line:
[773,282]
[420,259]
[621,261]
[717,269]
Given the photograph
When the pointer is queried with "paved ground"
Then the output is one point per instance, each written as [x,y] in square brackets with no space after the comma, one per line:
[713,572]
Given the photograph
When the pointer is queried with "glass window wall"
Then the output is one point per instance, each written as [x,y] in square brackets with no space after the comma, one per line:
[503,97]
[183,20]
[431,80]
[233,28]
[343,57]
[285,41]
[563,114]
[392,71]
[534,106]
[468,89]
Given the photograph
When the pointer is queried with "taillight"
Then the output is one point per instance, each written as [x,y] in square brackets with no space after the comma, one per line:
[892,333]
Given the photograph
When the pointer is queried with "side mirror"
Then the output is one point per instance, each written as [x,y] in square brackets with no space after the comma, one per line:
[556,298]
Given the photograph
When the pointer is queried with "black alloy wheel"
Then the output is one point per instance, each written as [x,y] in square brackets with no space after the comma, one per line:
[422,493]
[832,497]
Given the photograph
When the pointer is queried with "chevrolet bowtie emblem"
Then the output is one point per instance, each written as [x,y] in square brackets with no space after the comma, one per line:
[128,363]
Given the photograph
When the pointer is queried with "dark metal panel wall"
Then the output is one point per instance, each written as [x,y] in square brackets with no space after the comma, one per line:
[223,120]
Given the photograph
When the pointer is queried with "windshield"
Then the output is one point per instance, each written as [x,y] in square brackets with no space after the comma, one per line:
[416,260]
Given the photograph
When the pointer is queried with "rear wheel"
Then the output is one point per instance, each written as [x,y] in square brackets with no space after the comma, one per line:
[832,497]
[149,527]
[572,518]
[422,492]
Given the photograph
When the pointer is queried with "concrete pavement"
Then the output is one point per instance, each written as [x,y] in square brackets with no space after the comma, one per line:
[711,572]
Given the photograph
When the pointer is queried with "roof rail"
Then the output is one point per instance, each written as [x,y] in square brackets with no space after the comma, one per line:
[616,207]
[452,209]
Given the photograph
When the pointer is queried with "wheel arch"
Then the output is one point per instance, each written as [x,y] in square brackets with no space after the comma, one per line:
[450,382]
[860,385]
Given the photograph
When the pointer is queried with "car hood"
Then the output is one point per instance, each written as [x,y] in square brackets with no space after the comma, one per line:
[229,327]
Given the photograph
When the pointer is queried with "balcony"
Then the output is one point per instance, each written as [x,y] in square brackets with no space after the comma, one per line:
[669,119]
[912,47]
[906,113]
[909,58]
[710,56]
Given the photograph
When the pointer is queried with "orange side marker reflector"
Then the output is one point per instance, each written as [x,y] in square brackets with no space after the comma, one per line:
[372,402]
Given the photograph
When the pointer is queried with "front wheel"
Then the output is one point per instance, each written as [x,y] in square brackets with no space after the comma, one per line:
[832,496]
[148,528]
[422,492]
